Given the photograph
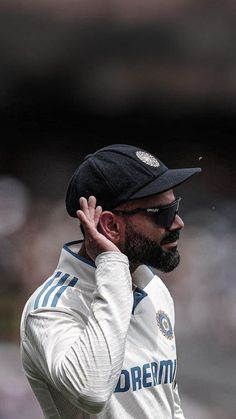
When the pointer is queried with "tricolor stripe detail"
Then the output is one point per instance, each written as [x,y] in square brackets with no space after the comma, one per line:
[61,290]
[60,282]
[48,283]
[46,294]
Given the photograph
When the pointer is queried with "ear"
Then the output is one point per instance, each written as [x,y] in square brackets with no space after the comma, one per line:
[110,226]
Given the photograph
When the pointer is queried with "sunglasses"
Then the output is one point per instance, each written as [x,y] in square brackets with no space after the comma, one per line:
[163,216]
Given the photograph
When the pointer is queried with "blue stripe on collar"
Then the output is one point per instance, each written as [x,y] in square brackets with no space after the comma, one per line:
[66,247]
[138,294]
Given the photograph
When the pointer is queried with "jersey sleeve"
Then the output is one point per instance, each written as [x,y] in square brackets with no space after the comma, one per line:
[82,357]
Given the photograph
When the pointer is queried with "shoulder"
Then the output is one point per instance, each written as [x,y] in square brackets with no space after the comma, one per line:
[162,287]
[160,296]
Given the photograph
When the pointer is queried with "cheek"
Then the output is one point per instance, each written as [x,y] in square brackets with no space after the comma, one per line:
[157,234]
[148,228]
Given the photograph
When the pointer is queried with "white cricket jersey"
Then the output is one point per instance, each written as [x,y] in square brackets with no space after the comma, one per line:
[94,348]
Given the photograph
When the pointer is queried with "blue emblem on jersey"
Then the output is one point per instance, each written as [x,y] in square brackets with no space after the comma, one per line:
[164,324]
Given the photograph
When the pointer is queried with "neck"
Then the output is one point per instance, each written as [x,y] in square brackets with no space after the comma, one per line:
[82,252]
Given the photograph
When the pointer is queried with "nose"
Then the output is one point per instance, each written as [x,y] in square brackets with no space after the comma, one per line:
[177,224]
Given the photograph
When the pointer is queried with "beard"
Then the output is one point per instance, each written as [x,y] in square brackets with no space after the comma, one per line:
[141,250]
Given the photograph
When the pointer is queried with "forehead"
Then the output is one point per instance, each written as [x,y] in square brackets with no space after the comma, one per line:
[150,201]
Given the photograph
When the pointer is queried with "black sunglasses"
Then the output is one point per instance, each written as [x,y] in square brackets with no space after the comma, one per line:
[163,216]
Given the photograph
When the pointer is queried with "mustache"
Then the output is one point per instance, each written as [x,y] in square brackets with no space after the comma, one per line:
[171,237]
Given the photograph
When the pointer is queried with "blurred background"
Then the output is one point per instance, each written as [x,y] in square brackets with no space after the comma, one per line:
[78,75]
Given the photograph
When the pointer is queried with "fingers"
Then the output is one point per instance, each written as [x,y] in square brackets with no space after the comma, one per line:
[92,201]
[97,214]
[87,205]
[89,214]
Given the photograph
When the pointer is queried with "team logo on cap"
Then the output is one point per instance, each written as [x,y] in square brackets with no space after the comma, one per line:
[147,158]
[164,324]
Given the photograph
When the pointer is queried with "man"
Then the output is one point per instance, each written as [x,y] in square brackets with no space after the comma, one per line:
[98,335]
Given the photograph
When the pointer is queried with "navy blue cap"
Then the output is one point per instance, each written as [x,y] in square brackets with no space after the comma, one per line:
[119,173]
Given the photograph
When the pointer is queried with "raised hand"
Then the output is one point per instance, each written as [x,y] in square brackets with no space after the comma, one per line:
[95,242]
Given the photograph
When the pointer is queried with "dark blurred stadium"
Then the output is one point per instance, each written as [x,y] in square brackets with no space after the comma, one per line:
[76,76]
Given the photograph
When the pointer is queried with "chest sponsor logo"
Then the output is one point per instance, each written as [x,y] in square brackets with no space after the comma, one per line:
[147,375]
[164,324]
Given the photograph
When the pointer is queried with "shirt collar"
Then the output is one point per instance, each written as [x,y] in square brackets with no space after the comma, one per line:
[142,276]
[70,261]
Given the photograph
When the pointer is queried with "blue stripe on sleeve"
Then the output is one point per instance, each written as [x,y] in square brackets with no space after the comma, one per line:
[48,283]
[60,282]
[61,290]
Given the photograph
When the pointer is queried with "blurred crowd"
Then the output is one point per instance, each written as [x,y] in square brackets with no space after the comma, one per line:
[110,56]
